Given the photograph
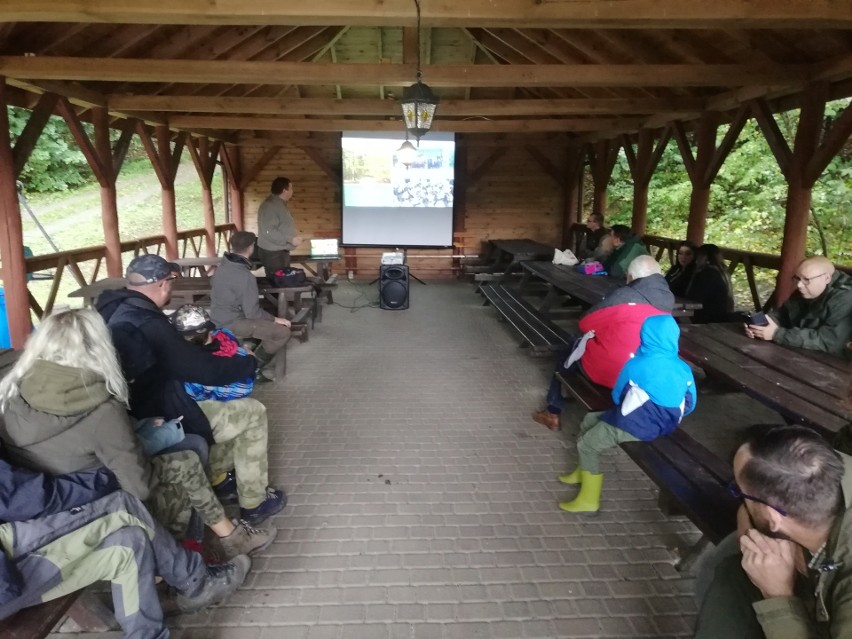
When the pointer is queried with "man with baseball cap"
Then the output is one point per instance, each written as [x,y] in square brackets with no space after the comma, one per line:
[234,303]
[157,361]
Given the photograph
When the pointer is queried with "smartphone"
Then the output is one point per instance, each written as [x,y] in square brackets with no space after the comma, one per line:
[758,319]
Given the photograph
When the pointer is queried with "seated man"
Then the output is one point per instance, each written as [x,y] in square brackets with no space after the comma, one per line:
[818,315]
[611,333]
[61,534]
[626,247]
[597,241]
[791,574]
[654,392]
[234,302]
[157,361]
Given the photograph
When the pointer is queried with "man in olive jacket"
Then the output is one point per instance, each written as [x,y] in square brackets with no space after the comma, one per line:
[818,315]
[790,576]
[276,230]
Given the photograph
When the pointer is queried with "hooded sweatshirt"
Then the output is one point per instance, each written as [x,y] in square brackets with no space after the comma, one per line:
[617,320]
[618,261]
[655,389]
[64,420]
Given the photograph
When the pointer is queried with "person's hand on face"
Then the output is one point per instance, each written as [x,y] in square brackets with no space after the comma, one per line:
[771,564]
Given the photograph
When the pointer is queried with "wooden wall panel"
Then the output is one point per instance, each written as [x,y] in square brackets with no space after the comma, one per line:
[514,198]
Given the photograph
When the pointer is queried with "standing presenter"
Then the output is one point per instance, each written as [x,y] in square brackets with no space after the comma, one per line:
[276,230]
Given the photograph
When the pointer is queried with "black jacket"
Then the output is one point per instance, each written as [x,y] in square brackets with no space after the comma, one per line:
[710,287]
[679,277]
[157,360]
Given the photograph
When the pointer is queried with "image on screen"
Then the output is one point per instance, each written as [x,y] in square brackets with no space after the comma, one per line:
[386,203]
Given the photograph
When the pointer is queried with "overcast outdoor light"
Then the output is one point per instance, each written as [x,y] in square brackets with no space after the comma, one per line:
[418,102]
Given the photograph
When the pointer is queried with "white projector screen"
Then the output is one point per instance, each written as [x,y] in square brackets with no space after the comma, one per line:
[388,204]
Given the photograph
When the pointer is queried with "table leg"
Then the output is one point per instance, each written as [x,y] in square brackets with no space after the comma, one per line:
[547,302]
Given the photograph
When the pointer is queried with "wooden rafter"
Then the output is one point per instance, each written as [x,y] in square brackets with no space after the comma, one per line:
[538,75]
[520,13]
[365,106]
[26,142]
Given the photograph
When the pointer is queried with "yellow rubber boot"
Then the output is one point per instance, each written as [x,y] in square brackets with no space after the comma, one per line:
[571,478]
[588,500]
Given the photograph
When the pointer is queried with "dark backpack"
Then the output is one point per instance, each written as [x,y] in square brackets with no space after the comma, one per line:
[285,278]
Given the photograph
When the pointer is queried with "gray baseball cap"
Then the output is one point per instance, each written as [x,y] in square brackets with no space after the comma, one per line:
[152,268]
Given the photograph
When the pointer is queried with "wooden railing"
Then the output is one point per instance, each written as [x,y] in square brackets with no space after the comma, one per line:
[749,260]
[190,244]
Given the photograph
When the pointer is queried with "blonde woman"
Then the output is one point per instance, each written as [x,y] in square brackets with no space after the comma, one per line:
[64,405]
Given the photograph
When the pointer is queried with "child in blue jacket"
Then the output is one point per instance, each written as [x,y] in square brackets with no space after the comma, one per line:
[654,391]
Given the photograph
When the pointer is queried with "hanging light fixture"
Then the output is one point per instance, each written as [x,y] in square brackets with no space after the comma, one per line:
[407,153]
[418,102]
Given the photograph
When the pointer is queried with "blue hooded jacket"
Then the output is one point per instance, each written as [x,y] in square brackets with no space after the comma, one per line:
[655,389]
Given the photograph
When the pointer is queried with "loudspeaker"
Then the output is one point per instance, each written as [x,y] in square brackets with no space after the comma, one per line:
[393,287]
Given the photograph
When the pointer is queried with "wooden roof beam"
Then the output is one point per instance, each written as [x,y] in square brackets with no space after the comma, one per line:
[313,73]
[459,126]
[376,107]
[763,14]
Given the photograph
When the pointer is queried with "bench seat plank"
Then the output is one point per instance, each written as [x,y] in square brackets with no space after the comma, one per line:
[538,332]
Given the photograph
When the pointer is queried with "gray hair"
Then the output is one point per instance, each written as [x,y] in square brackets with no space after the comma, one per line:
[643,266]
[77,338]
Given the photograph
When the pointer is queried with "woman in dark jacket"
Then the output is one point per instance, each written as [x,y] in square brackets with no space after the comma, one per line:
[710,285]
[64,406]
[681,272]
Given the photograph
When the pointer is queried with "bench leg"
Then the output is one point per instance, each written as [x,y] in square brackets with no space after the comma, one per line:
[552,295]
[668,505]
[280,363]
[90,613]
[691,560]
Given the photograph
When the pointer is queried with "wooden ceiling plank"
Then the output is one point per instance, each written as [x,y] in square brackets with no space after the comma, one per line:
[521,13]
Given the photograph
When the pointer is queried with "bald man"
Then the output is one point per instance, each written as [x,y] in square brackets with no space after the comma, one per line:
[818,315]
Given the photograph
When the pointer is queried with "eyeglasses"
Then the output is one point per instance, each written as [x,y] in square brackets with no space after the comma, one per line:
[735,491]
[806,280]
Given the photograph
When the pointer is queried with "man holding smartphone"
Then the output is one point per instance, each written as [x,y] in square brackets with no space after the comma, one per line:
[817,316]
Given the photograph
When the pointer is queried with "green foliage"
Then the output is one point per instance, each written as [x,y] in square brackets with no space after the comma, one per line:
[748,197]
[56,163]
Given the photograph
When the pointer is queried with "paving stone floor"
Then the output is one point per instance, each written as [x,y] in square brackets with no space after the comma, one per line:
[423,497]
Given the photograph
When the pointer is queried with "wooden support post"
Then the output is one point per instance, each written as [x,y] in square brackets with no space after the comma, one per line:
[799,187]
[12,237]
[460,197]
[704,166]
[165,161]
[204,157]
[570,199]
[109,199]
[642,163]
[232,162]
[699,200]
[602,158]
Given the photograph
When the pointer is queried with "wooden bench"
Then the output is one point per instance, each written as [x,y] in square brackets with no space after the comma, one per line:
[36,622]
[692,481]
[538,332]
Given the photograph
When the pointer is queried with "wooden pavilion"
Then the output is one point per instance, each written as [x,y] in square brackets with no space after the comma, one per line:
[536,91]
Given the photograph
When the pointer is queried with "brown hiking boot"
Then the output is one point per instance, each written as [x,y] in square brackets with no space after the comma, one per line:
[546,418]
[246,540]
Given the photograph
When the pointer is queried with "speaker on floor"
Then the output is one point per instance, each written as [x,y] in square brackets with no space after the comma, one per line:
[393,287]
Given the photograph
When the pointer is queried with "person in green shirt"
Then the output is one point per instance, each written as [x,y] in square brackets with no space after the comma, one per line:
[627,246]
[818,315]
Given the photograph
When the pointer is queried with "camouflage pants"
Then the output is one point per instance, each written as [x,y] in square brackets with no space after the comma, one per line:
[240,430]
[183,486]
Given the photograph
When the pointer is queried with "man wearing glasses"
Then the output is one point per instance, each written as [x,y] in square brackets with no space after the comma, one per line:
[818,315]
[789,574]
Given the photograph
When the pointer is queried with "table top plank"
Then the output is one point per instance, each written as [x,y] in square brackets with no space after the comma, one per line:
[524,249]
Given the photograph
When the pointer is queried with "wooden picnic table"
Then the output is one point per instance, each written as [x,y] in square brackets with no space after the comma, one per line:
[804,386]
[588,289]
[512,253]
[323,263]
[204,266]
[185,290]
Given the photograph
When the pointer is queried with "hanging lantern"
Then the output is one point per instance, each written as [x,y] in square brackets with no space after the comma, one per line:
[407,153]
[418,108]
